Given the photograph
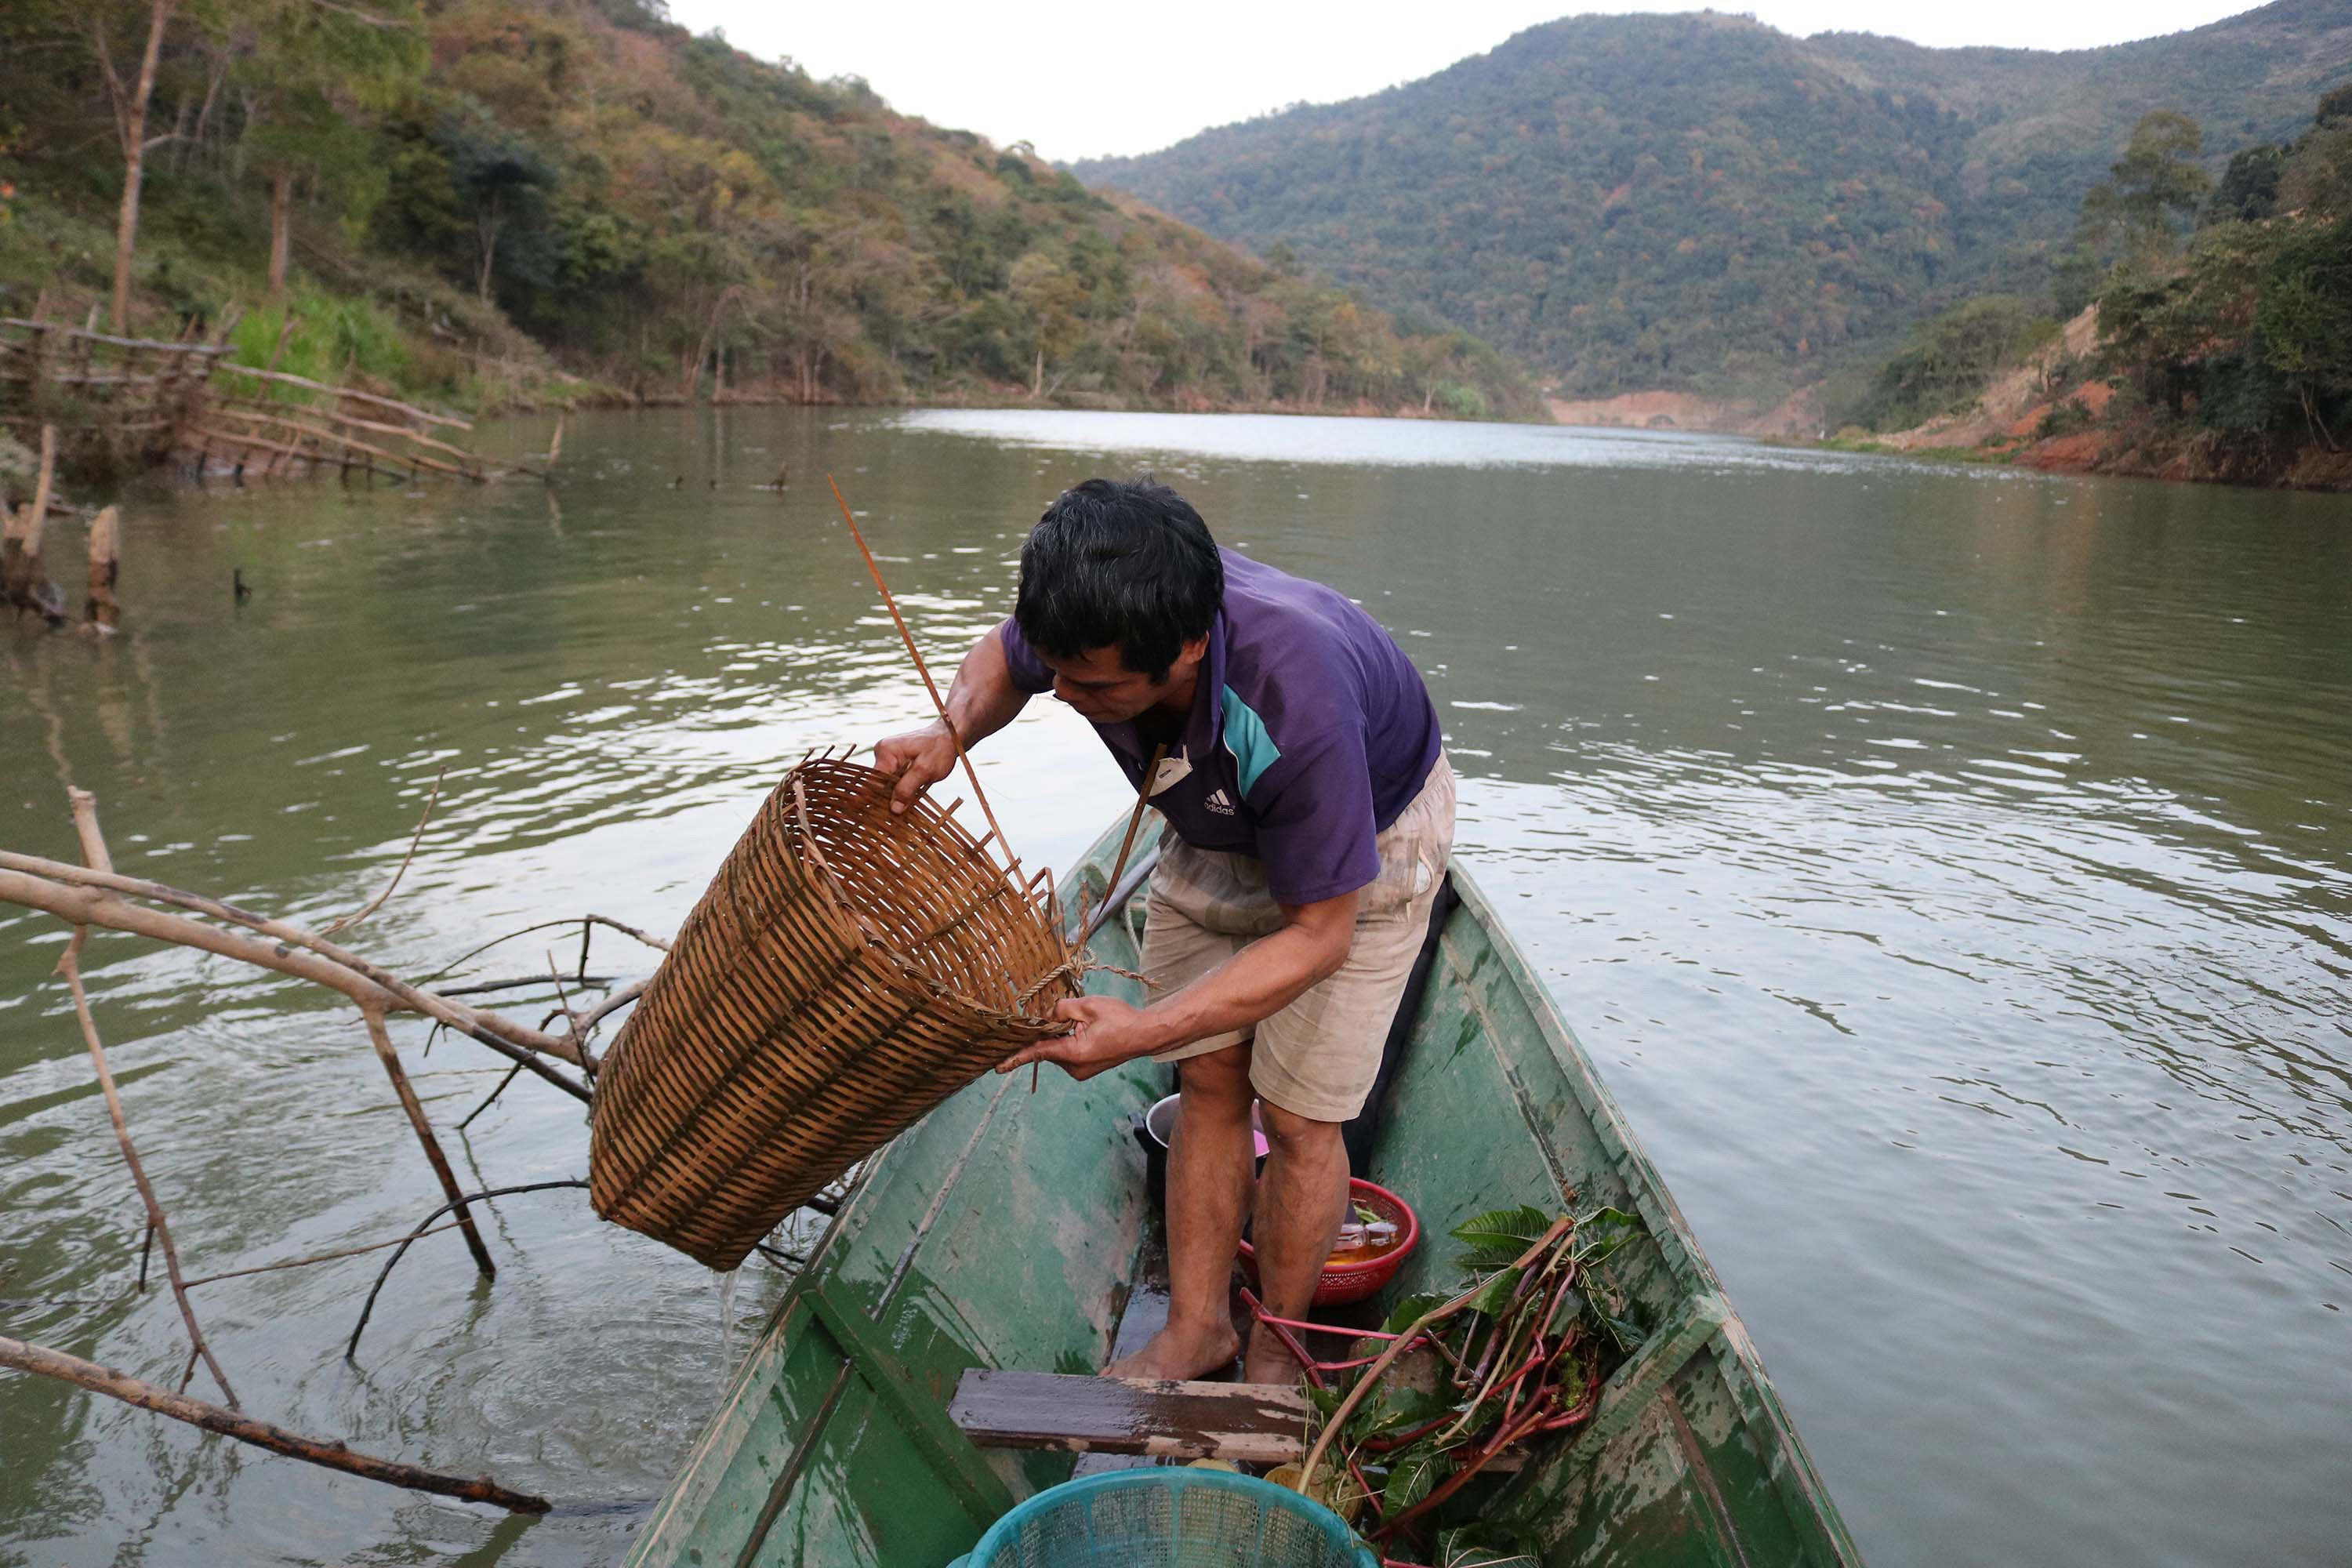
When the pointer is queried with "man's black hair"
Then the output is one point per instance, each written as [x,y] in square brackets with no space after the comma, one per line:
[1120,562]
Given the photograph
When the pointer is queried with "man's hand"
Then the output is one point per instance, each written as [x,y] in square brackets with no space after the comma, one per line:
[1109,1032]
[920,758]
[982,700]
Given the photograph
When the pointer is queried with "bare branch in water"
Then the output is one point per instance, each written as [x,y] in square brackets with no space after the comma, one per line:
[93,847]
[84,897]
[314,1258]
[391,886]
[330,1453]
[352,1348]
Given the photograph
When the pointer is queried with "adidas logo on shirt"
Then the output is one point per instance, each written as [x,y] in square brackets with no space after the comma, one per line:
[1220,803]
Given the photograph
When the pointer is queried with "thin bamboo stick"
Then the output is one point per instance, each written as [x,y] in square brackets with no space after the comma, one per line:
[280,410]
[1012,872]
[257,443]
[316,1256]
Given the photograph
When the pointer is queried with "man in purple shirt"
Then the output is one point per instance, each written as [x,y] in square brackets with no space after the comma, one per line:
[1310,809]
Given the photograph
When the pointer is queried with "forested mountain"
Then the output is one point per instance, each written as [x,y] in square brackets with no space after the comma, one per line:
[456,196]
[1701,203]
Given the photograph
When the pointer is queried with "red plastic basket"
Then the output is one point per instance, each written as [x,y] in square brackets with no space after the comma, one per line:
[1345,1282]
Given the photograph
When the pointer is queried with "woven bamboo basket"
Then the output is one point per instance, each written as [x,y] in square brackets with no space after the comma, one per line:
[845,971]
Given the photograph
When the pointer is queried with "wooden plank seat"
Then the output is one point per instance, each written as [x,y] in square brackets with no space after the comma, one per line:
[1243,1421]
[1247,1422]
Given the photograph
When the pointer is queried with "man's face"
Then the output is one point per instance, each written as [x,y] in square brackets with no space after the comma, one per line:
[1098,684]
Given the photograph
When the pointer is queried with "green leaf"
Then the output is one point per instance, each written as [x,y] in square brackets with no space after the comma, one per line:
[1479,1260]
[1411,1472]
[1481,1544]
[1516,1228]
[1393,1409]
[1602,1232]
[1495,1293]
[1326,1400]
[1405,1312]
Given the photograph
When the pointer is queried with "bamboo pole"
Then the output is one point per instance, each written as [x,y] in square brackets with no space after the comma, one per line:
[281,411]
[258,444]
[48,329]
[333,1454]
[354,442]
[93,847]
[285,336]
[288,378]
[379,1037]
[1013,871]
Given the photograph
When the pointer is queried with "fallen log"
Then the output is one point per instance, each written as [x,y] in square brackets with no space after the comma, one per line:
[332,1453]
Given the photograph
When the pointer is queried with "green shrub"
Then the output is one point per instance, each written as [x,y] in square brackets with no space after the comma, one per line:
[2064,419]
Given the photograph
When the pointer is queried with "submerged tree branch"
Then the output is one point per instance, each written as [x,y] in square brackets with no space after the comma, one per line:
[423,1226]
[332,1453]
[82,897]
[93,845]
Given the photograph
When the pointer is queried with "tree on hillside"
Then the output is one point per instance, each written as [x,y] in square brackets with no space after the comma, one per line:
[2248,333]
[1949,361]
[2303,325]
[2155,184]
[2250,186]
[103,27]
[2317,177]
[306,73]
[498,179]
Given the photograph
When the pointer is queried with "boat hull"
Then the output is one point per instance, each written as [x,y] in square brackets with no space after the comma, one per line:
[1003,1232]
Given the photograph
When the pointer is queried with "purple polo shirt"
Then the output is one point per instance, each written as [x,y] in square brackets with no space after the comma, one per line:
[1310,731]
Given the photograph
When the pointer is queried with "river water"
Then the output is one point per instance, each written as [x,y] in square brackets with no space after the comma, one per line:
[1949,869]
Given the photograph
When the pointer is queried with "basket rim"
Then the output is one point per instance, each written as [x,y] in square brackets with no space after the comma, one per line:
[902,965]
[1155,1477]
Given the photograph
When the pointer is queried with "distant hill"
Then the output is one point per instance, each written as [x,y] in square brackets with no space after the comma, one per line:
[480,196]
[1701,203]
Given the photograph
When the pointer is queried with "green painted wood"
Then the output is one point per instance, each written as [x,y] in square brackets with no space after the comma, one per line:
[946,1451]
[1630,1389]
[1002,1232]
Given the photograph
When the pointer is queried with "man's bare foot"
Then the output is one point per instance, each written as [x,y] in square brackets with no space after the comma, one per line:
[1269,1359]
[1178,1353]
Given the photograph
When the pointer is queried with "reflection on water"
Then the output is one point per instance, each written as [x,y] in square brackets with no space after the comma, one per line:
[1949,870]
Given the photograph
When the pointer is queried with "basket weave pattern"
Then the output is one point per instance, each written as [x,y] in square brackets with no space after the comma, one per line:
[846,971]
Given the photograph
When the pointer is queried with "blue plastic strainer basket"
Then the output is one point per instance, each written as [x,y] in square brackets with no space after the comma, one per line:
[1164,1518]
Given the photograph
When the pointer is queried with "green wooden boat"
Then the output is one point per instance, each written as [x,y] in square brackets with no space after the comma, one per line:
[1004,1231]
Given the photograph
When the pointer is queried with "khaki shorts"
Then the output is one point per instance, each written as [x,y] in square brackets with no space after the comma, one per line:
[1317,1056]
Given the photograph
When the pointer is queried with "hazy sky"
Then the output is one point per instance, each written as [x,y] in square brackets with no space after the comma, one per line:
[1084,78]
